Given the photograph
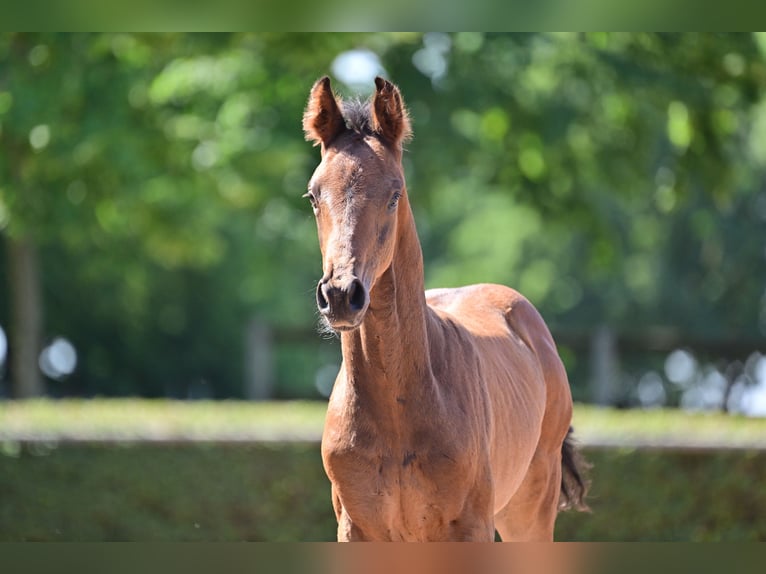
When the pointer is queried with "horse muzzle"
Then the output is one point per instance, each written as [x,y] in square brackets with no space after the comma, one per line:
[342,302]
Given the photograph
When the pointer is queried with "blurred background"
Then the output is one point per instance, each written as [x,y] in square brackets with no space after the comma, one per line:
[155,244]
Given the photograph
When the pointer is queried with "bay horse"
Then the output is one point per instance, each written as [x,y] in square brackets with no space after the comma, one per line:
[450,416]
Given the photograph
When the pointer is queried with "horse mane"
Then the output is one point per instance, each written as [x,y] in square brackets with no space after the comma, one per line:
[357,113]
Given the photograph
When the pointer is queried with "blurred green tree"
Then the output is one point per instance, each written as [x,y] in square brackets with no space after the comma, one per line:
[155,180]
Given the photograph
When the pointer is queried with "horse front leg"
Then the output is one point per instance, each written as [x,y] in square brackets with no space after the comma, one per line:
[476,522]
[472,530]
[347,530]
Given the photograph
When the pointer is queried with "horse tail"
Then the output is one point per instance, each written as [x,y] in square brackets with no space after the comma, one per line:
[574,479]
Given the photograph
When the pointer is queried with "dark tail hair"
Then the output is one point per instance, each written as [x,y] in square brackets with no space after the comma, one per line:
[574,479]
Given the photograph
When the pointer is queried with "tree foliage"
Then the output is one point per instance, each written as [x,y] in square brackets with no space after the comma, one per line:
[612,178]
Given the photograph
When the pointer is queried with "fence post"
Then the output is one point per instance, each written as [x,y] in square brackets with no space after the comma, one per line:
[259,361]
[604,366]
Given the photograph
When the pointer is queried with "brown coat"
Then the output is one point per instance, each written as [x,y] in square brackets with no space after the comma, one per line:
[451,410]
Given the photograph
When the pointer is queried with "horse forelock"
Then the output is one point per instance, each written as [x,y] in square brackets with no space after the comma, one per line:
[357,114]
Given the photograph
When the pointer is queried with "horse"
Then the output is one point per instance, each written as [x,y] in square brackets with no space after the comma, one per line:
[450,418]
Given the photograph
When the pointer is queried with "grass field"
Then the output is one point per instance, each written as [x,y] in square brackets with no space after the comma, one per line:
[159,420]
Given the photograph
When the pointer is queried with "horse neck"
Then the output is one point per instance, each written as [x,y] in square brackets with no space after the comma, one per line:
[386,359]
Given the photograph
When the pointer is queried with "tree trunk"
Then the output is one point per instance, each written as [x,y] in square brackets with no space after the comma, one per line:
[605,370]
[25,340]
[259,361]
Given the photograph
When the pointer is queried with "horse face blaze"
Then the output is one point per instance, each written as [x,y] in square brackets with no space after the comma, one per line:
[355,194]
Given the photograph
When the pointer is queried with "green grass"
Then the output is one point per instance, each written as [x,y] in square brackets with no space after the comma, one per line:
[137,419]
[596,426]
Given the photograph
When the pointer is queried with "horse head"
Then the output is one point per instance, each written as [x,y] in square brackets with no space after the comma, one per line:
[356,192]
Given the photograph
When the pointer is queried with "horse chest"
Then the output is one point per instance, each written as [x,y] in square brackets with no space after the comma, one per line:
[401,495]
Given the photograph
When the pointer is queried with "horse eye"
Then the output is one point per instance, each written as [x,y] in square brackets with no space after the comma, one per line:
[394,200]
[311,198]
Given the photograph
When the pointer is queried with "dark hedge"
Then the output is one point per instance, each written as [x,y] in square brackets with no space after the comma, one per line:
[231,492]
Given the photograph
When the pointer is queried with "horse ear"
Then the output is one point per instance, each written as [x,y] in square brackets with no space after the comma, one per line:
[389,116]
[322,120]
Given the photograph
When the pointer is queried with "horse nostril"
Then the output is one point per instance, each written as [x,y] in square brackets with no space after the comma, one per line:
[357,296]
[322,302]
